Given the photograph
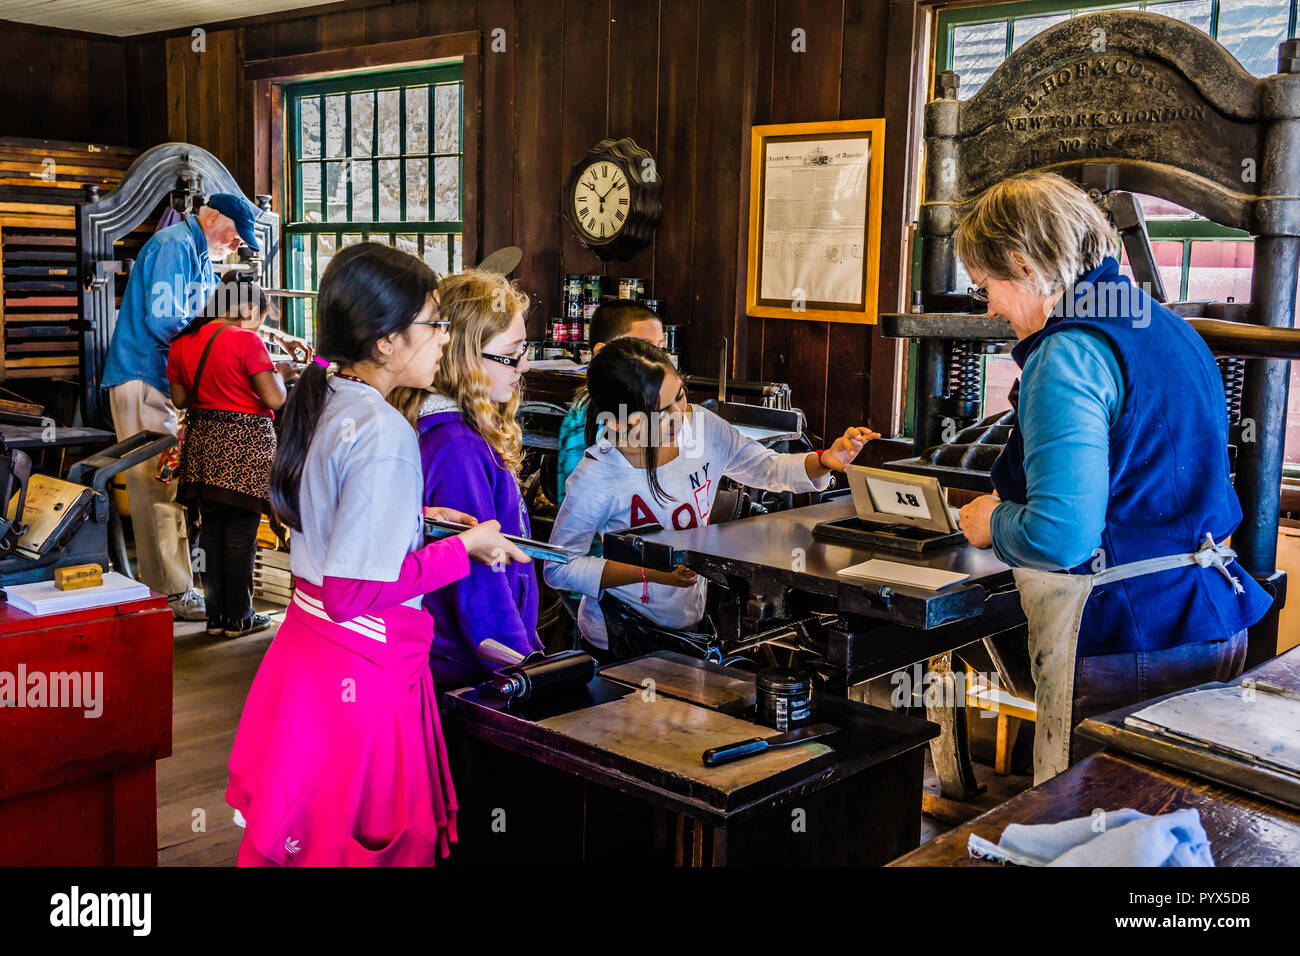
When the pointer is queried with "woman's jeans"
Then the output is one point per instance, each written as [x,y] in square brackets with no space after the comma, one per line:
[1108,682]
[229,543]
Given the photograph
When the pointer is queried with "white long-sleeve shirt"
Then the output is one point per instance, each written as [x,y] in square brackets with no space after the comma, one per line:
[607,493]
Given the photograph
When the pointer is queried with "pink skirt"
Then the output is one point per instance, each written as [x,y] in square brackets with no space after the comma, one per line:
[339,759]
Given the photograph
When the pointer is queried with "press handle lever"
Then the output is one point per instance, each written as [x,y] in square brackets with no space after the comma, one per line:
[729,752]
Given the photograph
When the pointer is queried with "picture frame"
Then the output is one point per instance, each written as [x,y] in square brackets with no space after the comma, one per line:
[815,205]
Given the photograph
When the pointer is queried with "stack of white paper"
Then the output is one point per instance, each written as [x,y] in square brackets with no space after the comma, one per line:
[42,597]
[893,572]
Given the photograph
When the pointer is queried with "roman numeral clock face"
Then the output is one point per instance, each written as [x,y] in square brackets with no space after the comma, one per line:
[601,201]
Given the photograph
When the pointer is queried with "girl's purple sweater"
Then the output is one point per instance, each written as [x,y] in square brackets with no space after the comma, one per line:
[462,471]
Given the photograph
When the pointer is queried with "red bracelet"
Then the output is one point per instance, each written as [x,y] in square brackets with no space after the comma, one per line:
[819,452]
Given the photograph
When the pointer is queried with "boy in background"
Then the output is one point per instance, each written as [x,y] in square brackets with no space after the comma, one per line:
[611,320]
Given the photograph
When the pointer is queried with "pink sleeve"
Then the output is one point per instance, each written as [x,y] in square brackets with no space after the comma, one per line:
[434,566]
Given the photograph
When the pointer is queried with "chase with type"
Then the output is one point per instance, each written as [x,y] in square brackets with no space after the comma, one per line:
[133,910]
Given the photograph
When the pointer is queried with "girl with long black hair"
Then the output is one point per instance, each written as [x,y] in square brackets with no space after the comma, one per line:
[339,757]
[655,459]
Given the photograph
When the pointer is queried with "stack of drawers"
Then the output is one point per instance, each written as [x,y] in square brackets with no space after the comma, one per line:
[272,581]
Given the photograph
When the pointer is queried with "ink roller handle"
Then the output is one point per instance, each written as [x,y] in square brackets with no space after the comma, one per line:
[540,675]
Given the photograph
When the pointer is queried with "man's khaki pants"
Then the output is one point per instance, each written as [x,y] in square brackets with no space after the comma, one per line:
[162,545]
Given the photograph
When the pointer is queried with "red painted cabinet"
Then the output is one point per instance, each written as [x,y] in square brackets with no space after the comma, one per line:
[77,751]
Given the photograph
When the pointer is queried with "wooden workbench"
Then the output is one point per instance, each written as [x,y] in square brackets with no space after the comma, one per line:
[1243,830]
[532,789]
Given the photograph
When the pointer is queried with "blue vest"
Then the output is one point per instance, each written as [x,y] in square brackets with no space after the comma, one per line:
[1169,474]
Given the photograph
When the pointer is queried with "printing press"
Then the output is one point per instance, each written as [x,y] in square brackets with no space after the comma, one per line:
[1172,116]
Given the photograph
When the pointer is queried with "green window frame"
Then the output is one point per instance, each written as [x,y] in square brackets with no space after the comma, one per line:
[1186,230]
[351,172]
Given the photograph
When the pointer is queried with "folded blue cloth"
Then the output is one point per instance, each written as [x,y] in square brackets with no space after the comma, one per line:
[1116,838]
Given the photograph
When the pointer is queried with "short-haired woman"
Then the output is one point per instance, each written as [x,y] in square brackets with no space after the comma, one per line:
[1113,495]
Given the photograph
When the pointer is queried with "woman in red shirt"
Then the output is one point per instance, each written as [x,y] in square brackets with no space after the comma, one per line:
[220,370]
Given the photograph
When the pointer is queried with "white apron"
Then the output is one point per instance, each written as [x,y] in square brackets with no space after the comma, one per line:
[1053,604]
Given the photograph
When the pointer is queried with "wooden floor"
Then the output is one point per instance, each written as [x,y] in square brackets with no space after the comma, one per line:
[212,675]
[211,679]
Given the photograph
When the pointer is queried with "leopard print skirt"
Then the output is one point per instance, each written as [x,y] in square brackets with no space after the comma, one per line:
[226,458]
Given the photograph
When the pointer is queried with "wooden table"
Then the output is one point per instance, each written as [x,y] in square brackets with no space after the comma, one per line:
[530,792]
[78,789]
[1243,830]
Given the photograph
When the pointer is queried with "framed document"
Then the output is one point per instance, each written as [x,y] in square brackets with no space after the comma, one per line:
[814,220]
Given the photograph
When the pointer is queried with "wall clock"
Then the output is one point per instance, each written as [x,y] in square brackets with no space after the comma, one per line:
[612,199]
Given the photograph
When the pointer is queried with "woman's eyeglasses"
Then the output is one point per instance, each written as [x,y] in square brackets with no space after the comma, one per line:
[441,324]
[503,359]
[980,295]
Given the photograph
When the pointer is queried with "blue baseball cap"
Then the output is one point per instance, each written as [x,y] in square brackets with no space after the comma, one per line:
[241,211]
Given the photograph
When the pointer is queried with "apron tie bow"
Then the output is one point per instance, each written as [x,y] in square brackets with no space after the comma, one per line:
[1217,556]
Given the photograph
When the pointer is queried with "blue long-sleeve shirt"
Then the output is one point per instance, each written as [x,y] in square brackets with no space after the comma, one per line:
[169,283]
[1071,394]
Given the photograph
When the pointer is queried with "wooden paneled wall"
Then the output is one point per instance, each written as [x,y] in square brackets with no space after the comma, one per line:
[79,88]
[686,79]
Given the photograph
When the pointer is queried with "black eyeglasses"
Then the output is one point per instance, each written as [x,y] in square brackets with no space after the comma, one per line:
[443,324]
[504,360]
[979,295]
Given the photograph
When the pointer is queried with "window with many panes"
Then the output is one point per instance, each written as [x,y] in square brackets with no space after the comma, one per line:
[1197,259]
[378,157]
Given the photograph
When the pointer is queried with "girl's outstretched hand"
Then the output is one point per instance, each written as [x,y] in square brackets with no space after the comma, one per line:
[450,514]
[486,544]
[841,454]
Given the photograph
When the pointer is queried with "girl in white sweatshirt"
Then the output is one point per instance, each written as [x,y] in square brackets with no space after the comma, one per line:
[655,459]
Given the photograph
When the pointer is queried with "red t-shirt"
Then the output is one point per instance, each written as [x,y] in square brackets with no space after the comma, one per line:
[227,377]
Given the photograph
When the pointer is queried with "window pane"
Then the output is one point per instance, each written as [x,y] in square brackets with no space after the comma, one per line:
[1292,440]
[977,51]
[390,190]
[446,198]
[311,206]
[436,254]
[1220,269]
[390,123]
[1195,12]
[325,249]
[362,192]
[417,119]
[999,373]
[1153,207]
[1022,30]
[409,244]
[446,103]
[456,248]
[1169,264]
[335,125]
[350,239]
[1251,31]
[336,183]
[309,128]
[417,190]
[363,123]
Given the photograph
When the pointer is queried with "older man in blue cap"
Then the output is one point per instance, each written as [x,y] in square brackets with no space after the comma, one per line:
[169,283]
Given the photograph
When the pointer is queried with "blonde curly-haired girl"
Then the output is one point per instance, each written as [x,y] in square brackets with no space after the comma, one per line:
[471,448]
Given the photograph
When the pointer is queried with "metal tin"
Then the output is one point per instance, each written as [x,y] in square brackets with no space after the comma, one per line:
[654,305]
[671,339]
[784,698]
